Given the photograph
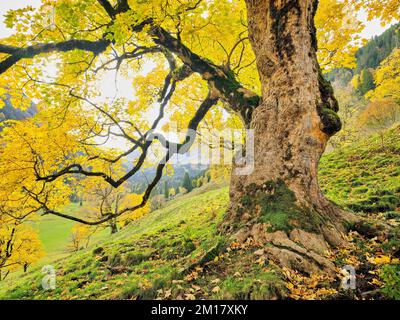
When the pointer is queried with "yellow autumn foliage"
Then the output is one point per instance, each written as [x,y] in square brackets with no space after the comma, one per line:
[19,247]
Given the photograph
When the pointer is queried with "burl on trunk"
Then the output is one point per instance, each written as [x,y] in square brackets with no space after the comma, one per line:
[281,202]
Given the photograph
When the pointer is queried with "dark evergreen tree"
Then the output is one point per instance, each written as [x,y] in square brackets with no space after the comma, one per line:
[187,182]
[366,81]
[166,190]
[378,49]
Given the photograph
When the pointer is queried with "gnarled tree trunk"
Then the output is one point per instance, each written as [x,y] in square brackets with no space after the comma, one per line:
[281,202]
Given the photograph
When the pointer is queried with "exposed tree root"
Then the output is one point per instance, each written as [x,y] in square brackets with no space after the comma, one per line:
[305,251]
[301,250]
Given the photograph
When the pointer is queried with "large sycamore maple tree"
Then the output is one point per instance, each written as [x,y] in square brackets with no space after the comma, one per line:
[201,63]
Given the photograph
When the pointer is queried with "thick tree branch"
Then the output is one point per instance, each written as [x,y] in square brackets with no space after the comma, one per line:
[108,8]
[18,54]
[4,48]
[183,147]
[240,99]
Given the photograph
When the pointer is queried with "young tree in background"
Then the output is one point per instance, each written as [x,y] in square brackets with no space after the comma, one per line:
[80,237]
[172,192]
[380,115]
[19,247]
[387,78]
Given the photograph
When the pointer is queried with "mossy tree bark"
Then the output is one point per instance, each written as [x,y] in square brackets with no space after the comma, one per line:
[113,226]
[281,202]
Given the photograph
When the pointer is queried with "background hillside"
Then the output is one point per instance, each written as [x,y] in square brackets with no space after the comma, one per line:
[8,112]
[369,56]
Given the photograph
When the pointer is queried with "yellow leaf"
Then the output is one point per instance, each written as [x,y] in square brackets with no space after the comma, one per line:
[216,289]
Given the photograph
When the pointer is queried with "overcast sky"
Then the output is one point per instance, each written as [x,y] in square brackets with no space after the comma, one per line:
[372,28]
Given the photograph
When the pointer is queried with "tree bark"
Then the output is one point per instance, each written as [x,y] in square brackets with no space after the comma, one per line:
[113,226]
[281,202]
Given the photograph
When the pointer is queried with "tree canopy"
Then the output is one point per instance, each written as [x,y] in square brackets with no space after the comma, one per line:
[187,61]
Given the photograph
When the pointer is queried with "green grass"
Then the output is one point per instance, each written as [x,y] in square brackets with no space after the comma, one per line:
[54,232]
[139,259]
[365,176]
[55,235]
[152,257]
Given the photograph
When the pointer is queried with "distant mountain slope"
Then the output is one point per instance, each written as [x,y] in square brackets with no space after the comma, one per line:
[378,48]
[8,112]
[369,56]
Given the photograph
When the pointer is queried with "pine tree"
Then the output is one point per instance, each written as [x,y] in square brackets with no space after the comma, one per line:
[187,183]
[166,190]
[366,81]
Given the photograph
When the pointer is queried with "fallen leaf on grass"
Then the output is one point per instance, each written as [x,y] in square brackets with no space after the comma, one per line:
[216,289]
[189,296]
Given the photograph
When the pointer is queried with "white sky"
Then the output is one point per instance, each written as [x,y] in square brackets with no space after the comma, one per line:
[14,4]
[372,28]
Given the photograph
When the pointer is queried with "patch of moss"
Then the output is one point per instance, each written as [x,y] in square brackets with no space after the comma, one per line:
[374,203]
[98,250]
[392,245]
[220,244]
[276,205]
[330,120]
[260,286]
[393,215]
[178,248]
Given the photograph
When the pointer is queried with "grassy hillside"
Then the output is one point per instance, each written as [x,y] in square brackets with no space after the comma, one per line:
[54,232]
[177,252]
[128,263]
[364,177]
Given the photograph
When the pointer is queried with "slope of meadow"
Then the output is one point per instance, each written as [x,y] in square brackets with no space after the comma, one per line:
[177,253]
[364,176]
